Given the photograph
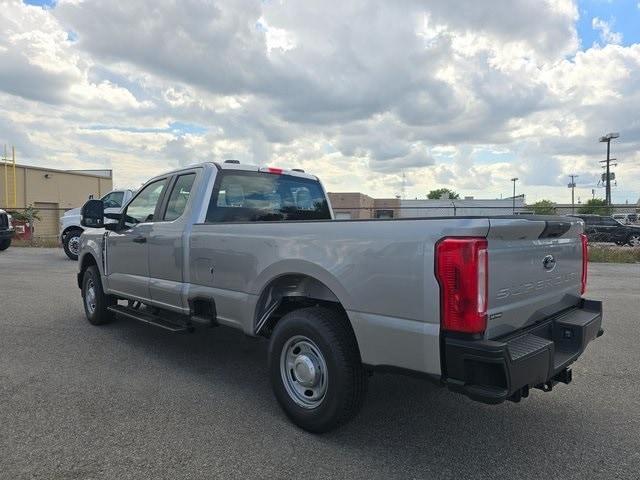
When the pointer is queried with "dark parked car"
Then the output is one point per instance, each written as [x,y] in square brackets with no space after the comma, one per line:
[6,230]
[607,229]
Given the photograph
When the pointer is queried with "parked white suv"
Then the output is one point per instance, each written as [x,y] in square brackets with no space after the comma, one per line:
[70,228]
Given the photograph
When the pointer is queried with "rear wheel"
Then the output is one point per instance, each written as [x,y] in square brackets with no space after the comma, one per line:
[71,244]
[94,299]
[634,240]
[4,244]
[315,369]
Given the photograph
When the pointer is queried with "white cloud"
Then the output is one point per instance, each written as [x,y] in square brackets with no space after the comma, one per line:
[276,38]
[607,35]
[354,91]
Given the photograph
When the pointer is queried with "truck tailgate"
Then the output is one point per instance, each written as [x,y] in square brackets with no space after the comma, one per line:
[534,268]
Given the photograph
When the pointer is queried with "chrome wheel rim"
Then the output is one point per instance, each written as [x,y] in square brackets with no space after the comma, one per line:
[634,241]
[74,244]
[90,297]
[304,372]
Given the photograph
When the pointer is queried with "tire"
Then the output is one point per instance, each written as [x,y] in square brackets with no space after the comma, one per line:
[71,244]
[316,400]
[634,240]
[4,244]
[96,303]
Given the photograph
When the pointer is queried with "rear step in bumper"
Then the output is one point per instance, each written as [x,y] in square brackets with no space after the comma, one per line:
[492,371]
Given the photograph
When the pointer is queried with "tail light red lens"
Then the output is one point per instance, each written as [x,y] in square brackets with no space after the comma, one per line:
[277,171]
[461,270]
[585,263]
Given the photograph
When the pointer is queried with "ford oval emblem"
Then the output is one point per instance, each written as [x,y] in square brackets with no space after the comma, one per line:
[549,263]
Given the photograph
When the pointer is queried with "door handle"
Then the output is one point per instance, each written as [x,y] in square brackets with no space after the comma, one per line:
[140,239]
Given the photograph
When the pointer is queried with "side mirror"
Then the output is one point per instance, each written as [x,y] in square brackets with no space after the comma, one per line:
[109,224]
[92,214]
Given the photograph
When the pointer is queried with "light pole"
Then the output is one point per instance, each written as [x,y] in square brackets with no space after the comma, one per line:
[572,186]
[514,180]
[607,139]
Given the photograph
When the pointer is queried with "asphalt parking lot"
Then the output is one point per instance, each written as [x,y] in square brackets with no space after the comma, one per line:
[130,401]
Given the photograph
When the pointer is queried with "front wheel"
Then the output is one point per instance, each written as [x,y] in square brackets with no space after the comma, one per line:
[315,369]
[95,301]
[634,240]
[71,244]
[4,244]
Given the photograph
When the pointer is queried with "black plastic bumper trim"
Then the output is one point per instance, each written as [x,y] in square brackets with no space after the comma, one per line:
[492,371]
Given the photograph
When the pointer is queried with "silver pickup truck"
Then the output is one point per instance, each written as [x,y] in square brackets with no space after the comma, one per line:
[489,307]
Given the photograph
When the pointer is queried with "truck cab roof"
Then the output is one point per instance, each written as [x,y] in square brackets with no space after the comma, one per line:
[236,165]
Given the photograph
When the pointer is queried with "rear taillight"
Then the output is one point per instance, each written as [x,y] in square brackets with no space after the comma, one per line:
[585,262]
[461,270]
[277,171]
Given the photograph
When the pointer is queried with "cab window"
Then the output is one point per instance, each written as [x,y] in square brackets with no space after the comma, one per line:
[113,200]
[261,197]
[179,197]
[142,208]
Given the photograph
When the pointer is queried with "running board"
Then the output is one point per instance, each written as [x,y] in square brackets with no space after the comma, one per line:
[149,318]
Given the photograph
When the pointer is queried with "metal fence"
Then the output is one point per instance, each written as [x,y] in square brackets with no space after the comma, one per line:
[626,213]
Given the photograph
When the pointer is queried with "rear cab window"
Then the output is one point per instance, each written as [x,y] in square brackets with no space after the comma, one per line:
[242,196]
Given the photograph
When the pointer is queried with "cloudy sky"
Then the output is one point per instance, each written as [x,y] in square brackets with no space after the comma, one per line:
[458,93]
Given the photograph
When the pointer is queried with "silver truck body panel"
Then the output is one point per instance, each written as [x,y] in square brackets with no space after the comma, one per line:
[381,271]
[521,290]
[387,285]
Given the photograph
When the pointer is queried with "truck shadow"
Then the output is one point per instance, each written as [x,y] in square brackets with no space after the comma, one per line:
[409,424]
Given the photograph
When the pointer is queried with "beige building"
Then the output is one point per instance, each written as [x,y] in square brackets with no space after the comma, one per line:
[50,191]
[356,205]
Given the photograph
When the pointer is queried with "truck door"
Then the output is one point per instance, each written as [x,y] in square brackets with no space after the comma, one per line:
[167,243]
[127,251]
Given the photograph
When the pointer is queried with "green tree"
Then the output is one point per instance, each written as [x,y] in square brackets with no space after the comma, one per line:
[28,214]
[544,207]
[438,193]
[597,206]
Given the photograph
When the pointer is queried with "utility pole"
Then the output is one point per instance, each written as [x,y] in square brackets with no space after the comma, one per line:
[514,180]
[572,186]
[607,139]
